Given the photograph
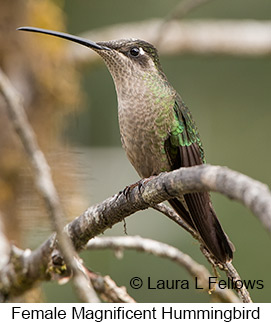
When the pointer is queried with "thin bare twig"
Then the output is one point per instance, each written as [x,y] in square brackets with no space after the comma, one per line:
[233,274]
[44,183]
[165,251]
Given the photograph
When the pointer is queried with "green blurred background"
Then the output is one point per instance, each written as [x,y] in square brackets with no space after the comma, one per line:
[230,100]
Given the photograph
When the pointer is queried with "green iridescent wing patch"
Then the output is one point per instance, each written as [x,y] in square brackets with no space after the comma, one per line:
[183,146]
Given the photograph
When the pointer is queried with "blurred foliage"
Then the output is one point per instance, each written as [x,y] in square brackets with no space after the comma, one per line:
[229,99]
[50,89]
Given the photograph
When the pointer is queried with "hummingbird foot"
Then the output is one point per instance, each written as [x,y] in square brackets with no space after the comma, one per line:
[126,191]
[140,184]
[144,181]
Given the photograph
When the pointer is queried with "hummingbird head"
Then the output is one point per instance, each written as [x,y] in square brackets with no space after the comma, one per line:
[133,63]
[136,70]
[130,57]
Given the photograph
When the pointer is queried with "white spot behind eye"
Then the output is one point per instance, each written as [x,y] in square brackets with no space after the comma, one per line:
[141,51]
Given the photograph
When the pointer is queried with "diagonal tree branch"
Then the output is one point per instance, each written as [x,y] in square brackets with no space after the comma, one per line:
[233,274]
[253,194]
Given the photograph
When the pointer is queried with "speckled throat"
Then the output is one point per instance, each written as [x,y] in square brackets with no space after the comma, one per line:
[145,111]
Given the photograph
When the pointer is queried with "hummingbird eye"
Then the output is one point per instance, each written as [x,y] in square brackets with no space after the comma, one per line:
[135,51]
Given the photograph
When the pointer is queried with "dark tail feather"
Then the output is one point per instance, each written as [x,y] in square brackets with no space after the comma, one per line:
[202,217]
[180,209]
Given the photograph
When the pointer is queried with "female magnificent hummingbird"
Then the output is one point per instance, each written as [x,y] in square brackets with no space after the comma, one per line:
[157,129]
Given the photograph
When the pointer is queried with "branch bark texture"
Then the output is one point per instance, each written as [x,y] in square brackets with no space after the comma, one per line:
[253,194]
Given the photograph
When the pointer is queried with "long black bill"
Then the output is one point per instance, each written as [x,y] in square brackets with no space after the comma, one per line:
[80,40]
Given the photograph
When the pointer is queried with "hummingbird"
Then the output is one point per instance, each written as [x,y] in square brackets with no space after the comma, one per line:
[157,130]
